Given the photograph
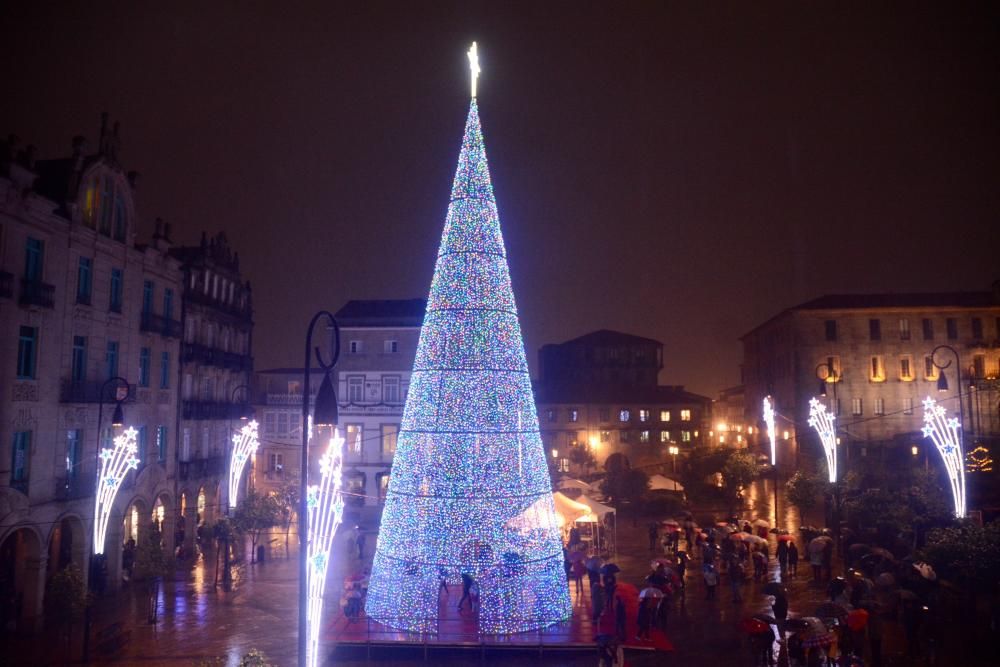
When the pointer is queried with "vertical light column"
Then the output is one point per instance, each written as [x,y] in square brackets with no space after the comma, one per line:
[326,511]
[769,420]
[822,422]
[116,461]
[946,434]
[245,444]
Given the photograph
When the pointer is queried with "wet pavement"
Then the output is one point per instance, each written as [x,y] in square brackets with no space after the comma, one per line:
[199,624]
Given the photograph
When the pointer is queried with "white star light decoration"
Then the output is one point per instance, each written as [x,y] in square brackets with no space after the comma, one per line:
[326,510]
[947,436]
[115,464]
[769,420]
[245,444]
[822,421]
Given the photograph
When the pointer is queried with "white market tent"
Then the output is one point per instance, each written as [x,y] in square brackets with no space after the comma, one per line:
[568,483]
[662,483]
[569,509]
[597,514]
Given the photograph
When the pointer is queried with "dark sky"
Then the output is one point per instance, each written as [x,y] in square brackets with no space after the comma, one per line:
[678,171]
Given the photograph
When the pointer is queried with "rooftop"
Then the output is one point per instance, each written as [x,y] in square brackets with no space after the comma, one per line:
[615,395]
[382,313]
[609,337]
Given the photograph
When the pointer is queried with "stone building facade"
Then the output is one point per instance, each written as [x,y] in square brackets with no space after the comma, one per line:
[601,392]
[80,302]
[880,348]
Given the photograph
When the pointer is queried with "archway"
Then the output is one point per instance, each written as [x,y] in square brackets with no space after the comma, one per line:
[20,580]
[135,522]
[67,545]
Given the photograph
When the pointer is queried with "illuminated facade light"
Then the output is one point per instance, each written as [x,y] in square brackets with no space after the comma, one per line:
[245,444]
[116,461]
[555,453]
[914,450]
[470,490]
[785,435]
[326,511]
[769,421]
[822,421]
[946,434]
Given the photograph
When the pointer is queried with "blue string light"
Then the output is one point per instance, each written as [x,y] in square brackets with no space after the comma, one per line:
[470,490]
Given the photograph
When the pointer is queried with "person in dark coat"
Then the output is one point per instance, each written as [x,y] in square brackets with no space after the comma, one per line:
[597,602]
[783,555]
[645,620]
[467,582]
[654,533]
[620,618]
[793,559]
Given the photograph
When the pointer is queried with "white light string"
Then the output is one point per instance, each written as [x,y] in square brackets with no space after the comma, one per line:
[822,421]
[116,461]
[245,444]
[947,436]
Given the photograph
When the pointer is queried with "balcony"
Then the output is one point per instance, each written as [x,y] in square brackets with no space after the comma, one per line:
[37,293]
[74,487]
[212,410]
[212,466]
[161,325]
[211,356]
[89,391]
[6,285]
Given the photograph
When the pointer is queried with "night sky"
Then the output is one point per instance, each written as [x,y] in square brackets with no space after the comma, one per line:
[677,171]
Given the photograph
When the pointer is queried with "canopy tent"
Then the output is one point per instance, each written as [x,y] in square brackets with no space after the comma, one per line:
[597,514]
[569,483]
[662,483]
[569,509]
[595,507]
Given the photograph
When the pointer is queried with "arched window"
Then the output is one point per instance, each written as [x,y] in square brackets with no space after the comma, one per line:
[119,219]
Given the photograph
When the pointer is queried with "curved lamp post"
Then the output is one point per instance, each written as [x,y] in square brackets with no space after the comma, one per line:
[942,381]
[325,498]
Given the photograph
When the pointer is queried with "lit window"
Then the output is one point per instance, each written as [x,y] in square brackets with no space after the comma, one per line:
[664,436]
[930,370]
[605,436]
[664,415]
[644,415]
[685,436]
[643,436]
[390,434]
[574,414]
[685,415]
[624,415]
[551,414]
[877,369]
[353,443]
[563,465]
[905,368]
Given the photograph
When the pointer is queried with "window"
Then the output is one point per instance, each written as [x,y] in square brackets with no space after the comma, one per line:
[907,406]
[685,415]
[147,297]
[564,464]
[875,329]
[551,415]
[685,436]
[879,406]
[904,329]
[644,415]
[115,302]
[276,463]
[74,446]
[382,481]
[605,436]
[664,415]
[390,389]
[354,347]
[928,326]
[144,361]
[161,443]
[78,365]
[111,359]
[906,368]
[390,435]
[391,346]
[269,423]
[168,303]
[186,445]
[831,329]
[573,414]
[979,366]
[354,443]
[164,370]
[27,353]
[856,407]
[34,256]
[604,414]
[84,280]
[977,328]
[282,423]
[664,436]
[930,370]
[951,326]
[20,460]
[624,415]
[142,441]
[877,369]
[355,389]
[643,436]
[623,435]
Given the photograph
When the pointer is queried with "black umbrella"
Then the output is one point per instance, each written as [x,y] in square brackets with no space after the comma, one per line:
[796,624]
[610,568]
[775,588]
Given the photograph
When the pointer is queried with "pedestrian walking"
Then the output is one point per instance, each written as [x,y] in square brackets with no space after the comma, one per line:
[654,532]
[663,609]
[578,570]
[645,619]
[737,575]
[711,580]
[759,565]
[610,584]
[682,561]
[816,561]
[779,609]
[827,560]
[783,556]
[359,540]
[793,559]
[596,602]
[620,617]
[467,582]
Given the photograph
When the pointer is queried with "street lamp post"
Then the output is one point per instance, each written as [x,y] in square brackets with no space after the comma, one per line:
[117,419]
[674,451]
[325,412]
[942,381]
[831,376]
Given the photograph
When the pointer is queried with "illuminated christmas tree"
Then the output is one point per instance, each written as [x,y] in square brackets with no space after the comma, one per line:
[470,490]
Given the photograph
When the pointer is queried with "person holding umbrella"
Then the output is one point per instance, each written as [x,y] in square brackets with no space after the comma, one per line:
[793,559]
[610,581]
[737,576]
[782,554]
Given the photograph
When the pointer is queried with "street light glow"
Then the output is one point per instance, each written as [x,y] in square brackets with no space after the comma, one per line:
[769,420]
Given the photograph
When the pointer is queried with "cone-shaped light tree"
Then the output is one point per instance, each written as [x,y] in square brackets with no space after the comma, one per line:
[470,490]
